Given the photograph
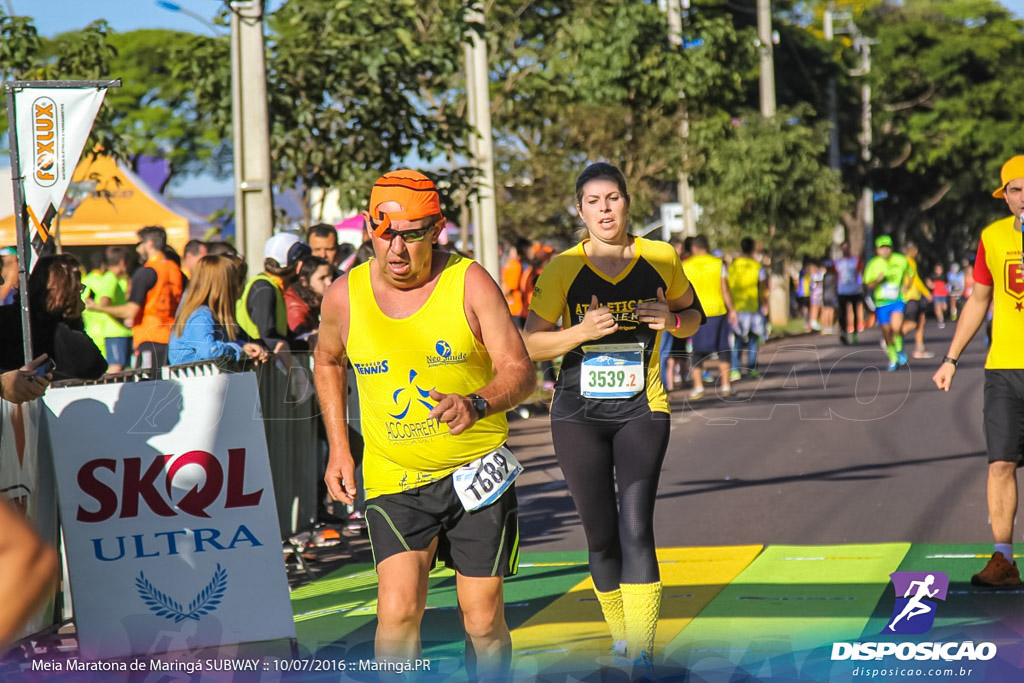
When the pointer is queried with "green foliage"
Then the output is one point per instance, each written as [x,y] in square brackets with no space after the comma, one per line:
[155,111]
[82,54]
[946,116]
[766,180]
[579,82]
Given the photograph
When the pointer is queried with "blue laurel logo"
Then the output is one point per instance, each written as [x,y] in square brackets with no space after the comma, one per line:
[443,348]
[164,605]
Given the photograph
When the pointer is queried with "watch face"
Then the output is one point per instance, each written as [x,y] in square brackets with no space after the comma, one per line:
[480,405]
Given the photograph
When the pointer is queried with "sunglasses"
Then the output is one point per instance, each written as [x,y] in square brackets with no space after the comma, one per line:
[408,236]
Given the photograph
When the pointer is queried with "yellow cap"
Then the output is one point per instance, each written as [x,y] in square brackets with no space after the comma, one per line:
[1012,169]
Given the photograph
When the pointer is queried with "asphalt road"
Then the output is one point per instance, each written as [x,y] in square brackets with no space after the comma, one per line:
[827,448]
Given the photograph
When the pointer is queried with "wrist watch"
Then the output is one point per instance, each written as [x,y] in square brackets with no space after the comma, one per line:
[480,405]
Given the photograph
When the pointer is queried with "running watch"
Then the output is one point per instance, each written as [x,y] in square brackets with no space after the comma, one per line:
[480,405]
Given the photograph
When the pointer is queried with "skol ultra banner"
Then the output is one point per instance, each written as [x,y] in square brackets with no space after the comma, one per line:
[52,125]
[170,525]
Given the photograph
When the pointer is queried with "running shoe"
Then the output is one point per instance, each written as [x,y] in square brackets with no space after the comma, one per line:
[901,357]
[696,394]
[643,668]
[922,354]
[853,338]
[941,326]
[725,392]
[754,374]
[708,377]
[735,375]
[998,573]
[893,366]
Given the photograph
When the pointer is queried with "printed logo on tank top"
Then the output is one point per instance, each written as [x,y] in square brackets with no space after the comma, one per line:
[445,355]
[410,412]
[624,312]
[377,367]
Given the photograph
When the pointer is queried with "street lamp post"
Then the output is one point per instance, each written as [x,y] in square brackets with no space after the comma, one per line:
[172,7]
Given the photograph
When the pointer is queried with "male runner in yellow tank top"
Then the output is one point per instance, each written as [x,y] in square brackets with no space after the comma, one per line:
[438,361]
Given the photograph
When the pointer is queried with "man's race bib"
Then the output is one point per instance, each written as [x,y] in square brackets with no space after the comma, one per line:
[482,481]
[889,291]
[612,370]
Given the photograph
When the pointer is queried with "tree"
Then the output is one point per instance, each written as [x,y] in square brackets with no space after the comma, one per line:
[154,111]
[766,179]
[578,82]
[354,89]
[946,116]
[83,54]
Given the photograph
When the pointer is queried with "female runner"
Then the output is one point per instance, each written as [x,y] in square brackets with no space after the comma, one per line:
[613,295]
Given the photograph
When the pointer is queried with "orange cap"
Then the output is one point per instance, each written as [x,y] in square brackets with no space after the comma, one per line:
[411,190]
[1012,169]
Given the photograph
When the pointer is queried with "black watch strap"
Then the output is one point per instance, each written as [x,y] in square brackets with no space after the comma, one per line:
[950,360]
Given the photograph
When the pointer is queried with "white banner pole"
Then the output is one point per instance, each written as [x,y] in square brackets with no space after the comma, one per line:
[52,150]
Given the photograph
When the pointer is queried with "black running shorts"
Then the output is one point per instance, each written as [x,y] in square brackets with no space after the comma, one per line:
[481,543]
[915,309]
[1004,415]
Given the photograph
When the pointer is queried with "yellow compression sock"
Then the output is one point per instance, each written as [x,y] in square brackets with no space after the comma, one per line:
[641,603]
[611,605]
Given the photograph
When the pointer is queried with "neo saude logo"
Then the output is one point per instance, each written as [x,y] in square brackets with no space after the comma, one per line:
[913,613]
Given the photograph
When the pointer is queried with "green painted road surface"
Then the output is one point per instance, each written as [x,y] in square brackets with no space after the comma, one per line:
[729,613]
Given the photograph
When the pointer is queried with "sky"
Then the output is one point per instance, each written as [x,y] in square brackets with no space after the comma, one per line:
[57,16]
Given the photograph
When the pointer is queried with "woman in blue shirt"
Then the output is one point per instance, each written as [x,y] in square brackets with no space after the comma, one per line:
[205,327]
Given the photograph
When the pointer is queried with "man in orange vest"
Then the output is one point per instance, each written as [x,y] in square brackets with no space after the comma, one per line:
[153,298]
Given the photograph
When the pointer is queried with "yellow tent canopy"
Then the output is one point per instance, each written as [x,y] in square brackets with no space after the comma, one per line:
[117,208]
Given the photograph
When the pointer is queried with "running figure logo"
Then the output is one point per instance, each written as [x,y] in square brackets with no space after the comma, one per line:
[914,612]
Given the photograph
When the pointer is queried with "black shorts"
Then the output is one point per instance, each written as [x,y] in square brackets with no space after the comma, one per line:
[149,355]
[1004,415]
[851,299]
[481,543]
[915,309]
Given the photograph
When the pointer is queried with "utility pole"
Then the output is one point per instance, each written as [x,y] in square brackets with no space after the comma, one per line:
[833,105]
[684,191]
[254,201]
[833,118]
[767,60]
[868,195]
[485,216]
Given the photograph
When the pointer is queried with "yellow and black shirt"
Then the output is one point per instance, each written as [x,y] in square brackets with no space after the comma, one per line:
[564,291]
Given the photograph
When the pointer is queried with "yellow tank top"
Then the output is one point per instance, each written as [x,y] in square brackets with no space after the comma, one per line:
[705,273]
[397,363]
[744,277]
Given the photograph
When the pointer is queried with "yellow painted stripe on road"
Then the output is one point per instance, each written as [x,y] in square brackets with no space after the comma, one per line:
[783,603]
[572,628]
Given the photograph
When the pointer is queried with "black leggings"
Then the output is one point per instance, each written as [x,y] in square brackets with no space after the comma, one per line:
[620,532]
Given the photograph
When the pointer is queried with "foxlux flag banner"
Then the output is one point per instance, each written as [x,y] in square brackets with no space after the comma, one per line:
[52,126]
[170,524]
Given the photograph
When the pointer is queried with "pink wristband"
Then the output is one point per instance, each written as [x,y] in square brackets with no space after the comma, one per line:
[679,321]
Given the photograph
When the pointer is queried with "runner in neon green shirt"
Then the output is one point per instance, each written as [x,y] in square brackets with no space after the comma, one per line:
[886,276]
